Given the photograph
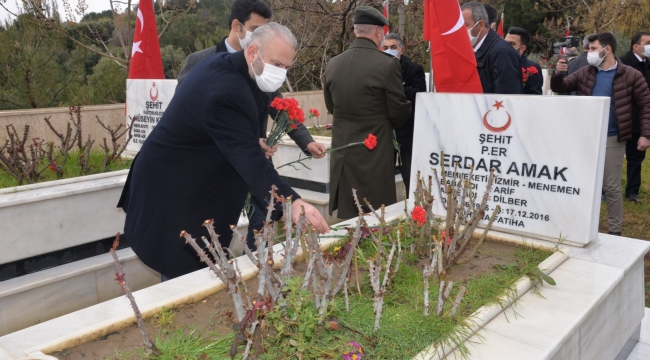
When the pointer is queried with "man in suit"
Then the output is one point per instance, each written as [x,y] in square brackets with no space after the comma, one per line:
[413,81]
[245,17]
[497,62]
[203,157]
[532,73]
[636,58]
[363,90]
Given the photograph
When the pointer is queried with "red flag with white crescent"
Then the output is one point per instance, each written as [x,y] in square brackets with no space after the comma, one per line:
[452,56]
[146,62]
[500,27]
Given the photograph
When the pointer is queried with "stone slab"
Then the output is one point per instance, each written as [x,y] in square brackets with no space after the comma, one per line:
[56,215]
[318,169]
[549,167]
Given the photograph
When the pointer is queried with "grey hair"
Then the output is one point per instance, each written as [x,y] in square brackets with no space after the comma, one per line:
[393,36]
[364,29]
[478,12]
[263,35]
[585,41]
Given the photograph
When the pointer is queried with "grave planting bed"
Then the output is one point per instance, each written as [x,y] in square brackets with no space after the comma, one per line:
[205,329]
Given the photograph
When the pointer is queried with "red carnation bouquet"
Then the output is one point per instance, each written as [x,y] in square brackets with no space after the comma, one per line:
[527,72]
[288,118]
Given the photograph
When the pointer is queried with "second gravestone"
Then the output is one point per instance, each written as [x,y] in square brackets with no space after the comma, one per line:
[548,154]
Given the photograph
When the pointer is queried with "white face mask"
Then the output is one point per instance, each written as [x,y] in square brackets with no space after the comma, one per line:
[646,51]
[271,77]
[393,52]
[472,39]
[247,38]
[594,59]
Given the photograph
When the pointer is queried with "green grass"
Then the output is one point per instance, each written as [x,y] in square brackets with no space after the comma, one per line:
[636,217]
[183,344]
[404,331]
[71,169]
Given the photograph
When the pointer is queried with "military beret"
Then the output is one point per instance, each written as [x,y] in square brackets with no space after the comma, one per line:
[369,15]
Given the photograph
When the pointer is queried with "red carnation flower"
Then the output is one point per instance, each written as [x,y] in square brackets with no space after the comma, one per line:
[314,112]
[532,70]
[418,215]
[370,141]
[280,104]
[443,235]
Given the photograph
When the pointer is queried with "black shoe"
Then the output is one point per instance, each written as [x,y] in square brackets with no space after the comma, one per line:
[614,233]
[634,198]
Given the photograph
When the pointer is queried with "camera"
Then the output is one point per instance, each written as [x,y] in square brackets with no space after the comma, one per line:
[569,42]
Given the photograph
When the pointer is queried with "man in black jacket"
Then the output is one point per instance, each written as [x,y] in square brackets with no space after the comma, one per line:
[245,17]
[637,58]
[202,158]
[532,73]
[414,82]
[497,62]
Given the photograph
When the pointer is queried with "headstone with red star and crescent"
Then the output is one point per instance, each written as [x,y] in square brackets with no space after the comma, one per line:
[147,91]
[548,153]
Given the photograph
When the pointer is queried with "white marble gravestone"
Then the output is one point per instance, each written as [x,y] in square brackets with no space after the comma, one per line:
[146,101]
[548,151]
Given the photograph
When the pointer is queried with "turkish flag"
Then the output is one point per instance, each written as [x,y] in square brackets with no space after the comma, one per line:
[386,30]
[452,57]
[146,62]
[500,27]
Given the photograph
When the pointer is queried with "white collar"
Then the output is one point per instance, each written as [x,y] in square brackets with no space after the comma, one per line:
[638,57]
[229,48]
[480,43]
[610,69]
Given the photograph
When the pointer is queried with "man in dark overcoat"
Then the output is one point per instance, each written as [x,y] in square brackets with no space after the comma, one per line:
[496,61]
[202,158]
[363,91]
[413,81]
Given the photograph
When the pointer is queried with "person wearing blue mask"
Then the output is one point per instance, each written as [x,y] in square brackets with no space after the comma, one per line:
[413,81]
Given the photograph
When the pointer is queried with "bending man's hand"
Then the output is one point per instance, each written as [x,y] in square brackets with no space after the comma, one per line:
[316,149]
[268,151]
[643,143]
[313,216]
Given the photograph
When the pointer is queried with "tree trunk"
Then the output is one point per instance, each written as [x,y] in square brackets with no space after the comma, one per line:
[402,18]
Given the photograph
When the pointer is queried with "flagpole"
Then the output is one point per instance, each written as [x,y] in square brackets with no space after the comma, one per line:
[431,87]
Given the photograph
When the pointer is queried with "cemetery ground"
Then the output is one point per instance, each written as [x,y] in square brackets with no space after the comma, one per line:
[636,221]
[203,330]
